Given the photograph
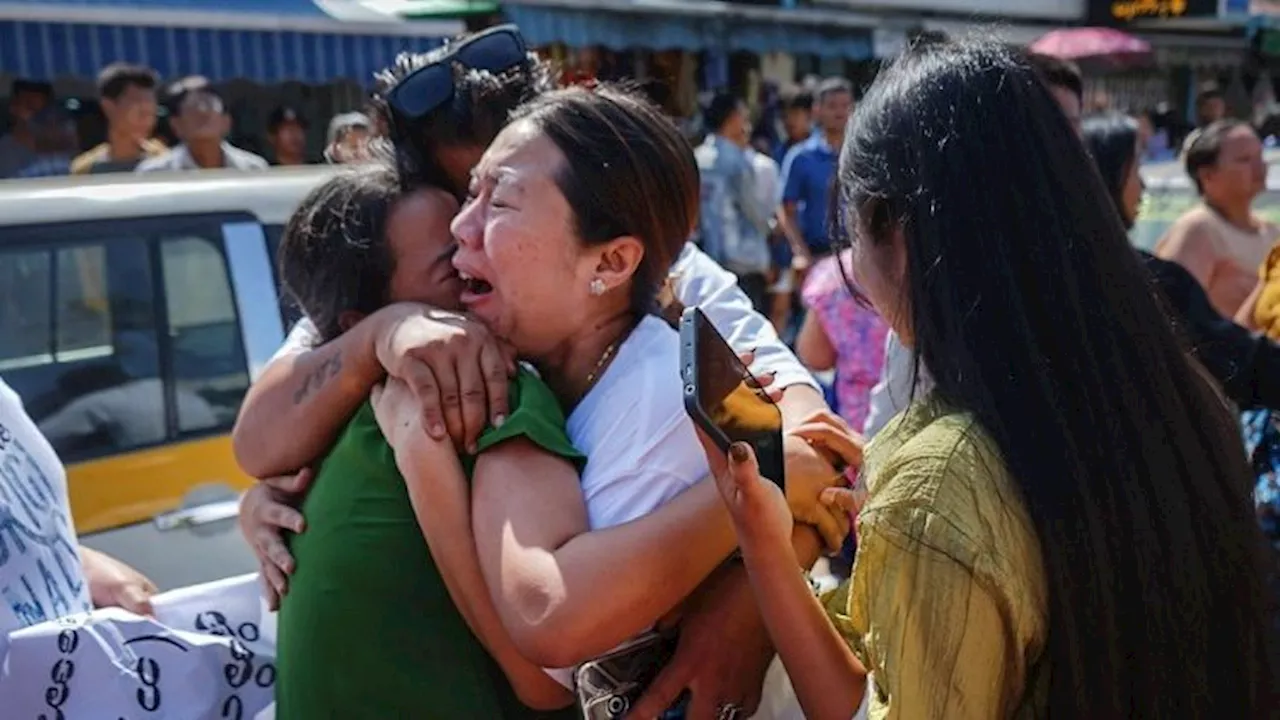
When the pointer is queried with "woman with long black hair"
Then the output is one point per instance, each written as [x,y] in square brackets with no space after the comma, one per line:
[1062,525]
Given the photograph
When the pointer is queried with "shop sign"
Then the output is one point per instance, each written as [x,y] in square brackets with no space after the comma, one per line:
[1126,11]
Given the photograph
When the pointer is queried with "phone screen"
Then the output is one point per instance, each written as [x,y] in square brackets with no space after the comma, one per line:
[732,404]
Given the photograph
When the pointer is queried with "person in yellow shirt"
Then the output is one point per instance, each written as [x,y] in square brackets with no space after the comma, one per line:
[1261,311]
[128,97]
[1062,525]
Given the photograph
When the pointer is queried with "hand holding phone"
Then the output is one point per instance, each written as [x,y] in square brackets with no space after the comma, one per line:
[723,398]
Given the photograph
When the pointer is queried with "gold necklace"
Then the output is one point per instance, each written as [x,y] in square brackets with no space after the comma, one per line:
[604,358]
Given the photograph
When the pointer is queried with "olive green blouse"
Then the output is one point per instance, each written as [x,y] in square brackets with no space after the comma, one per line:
[947,606]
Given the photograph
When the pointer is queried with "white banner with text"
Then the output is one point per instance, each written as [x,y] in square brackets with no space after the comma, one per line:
[208,654]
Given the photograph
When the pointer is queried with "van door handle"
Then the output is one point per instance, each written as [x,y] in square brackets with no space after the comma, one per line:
[198,515]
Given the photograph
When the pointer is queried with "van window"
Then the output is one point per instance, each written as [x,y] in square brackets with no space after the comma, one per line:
[93,385]
[84,314]
[121,342]
[208,355]
[26,279]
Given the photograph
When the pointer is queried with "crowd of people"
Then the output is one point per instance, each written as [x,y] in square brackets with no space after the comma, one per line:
[42,140]
[475,442]
[1024,504]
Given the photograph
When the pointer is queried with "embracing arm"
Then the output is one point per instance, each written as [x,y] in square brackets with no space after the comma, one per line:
[453,365]
[441,501]
[309,393]
[566,594]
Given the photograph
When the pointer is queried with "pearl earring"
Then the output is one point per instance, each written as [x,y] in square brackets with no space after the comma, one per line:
[597,287]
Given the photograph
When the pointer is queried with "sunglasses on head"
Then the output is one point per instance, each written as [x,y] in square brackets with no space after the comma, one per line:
[429,87]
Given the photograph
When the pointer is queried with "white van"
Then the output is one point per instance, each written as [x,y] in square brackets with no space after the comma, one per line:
[134,312]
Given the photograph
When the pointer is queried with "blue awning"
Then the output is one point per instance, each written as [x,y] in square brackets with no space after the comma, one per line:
[761,38]
[266,42]
[663,25]
[615,30]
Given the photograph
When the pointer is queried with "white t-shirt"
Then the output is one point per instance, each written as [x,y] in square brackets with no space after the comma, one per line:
[40,573]
[641,447]
[699,282]
[768,181]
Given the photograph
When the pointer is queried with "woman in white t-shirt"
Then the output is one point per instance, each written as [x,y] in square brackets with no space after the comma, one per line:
[573,219]
[321,386]
[44,572]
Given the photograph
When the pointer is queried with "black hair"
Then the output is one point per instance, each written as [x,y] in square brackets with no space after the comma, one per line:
[1058,73]
[1112,139]
[797,98]
[1204,147]
[34,87]
[282,115]
[1034,315]
[334,256]
[177,93]
[1208,94]
[831,86]
[628,171]
[722,107]
[481,106]
[929,37]
[116,78]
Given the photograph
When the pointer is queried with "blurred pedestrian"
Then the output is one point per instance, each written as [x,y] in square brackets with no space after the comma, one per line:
[734,224]
[1211,106]
[54,135]
[797,120]
[199,118]
[348,138]
[17,147]
[287,135]
[807,172]
[1221,241]
[128,96]
[843,334]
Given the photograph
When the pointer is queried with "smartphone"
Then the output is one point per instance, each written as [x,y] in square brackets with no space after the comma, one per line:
[608,686]
[722,398]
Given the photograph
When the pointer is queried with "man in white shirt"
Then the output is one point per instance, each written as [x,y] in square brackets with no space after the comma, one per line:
[199,118]
[44,572]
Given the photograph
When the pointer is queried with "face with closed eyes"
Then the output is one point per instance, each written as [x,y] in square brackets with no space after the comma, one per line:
[422,250]
[526,272]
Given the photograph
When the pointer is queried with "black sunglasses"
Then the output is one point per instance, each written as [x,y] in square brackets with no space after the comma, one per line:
[428,88]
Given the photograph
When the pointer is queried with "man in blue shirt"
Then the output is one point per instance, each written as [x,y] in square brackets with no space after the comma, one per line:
[807,173]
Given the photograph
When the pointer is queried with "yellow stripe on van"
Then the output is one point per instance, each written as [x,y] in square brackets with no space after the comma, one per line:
[135,487]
